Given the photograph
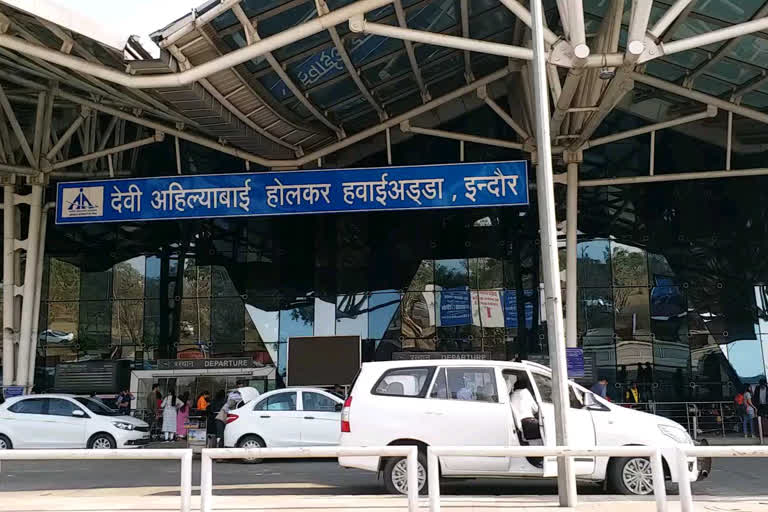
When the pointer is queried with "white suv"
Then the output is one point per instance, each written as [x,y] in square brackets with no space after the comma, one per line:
[465,403]
[67,421]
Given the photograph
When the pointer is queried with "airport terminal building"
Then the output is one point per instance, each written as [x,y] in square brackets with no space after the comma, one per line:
[671,253]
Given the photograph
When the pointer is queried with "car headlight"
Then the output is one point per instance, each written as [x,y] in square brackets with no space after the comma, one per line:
[123,426]
[678,434]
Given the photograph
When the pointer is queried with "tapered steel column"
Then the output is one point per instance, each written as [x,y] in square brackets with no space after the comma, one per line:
[545,189]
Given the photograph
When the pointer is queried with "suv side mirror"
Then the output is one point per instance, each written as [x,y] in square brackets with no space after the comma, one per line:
[593,405]
[338,407]
[77,413]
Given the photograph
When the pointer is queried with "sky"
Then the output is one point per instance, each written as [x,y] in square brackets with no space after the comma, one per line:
[137,17]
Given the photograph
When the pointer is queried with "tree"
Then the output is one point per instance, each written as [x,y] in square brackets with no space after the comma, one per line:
[128,290]
[629,269]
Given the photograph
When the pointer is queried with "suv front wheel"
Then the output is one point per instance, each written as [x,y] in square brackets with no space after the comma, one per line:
[396,474]
[631,476]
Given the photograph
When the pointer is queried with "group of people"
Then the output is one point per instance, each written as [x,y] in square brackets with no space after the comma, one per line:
[752,406]
[173,411]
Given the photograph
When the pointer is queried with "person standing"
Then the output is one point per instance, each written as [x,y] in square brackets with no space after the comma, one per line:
[150,405]
[600,388]
[170,406]
[202,401]
[182,416]
[213,424]
[124,402]
[760,398]
[632,395]
[749,413]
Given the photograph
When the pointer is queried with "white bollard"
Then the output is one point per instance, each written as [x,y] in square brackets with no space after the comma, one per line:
[433,481]
[186,481]
[659,489]
[413,479]
[684,482]
[206,482]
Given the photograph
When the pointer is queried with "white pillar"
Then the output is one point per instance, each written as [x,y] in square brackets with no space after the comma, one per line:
[571,299]
[38,292]
[9,282]
[545,188]
[28,302]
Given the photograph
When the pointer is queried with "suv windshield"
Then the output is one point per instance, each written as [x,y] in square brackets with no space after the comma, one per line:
[97,407]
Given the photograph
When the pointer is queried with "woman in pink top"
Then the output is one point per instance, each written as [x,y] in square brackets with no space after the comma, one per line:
[182,415]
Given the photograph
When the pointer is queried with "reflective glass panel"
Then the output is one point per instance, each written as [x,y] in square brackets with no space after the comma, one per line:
[352,315]
[418,315]
[63,320]
[227,316]
[632,312]
[297,319]
[94,330]
[384,319]
[127,322]
[594,263]
[630,266]
[195,324]
[64,280]
[486,273]
[129,278]
[451,273]
[596,311]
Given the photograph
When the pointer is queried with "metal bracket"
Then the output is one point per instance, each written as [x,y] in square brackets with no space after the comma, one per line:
[405,126]
[560,178]
[20,245]
[573,156]
[562,54]
[357,23]
[322,7]
[653,50]
[482,92]
[7,179]
[5,23]
[529,145]
[40,178]
[22,199]
[18,291]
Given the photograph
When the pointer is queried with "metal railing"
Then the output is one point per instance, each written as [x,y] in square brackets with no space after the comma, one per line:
[183,455]
[700,418]
[686,497]
[654,454]
[208,454]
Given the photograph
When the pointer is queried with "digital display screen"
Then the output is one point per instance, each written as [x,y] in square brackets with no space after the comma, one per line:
[322,360]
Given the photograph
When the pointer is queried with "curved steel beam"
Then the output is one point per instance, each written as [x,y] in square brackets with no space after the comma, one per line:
[189,76]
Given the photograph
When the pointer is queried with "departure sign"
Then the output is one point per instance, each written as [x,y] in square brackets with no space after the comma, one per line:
[293,192]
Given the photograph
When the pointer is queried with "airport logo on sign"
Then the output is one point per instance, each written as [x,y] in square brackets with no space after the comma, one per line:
[83,202]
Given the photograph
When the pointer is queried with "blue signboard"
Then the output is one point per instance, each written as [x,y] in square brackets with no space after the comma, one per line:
[455,307]
[575,360]
[510,309]
[294,192]
[12,391]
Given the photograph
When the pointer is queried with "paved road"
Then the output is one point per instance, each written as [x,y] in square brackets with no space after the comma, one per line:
[730,478]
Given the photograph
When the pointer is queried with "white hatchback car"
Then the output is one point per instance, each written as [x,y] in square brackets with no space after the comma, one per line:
[466,403]
[286,417]
[67,421]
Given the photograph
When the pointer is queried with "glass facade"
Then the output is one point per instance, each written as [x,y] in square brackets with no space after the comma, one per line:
[446,281]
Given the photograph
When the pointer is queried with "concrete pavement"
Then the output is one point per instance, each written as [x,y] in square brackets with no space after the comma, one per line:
[24,502]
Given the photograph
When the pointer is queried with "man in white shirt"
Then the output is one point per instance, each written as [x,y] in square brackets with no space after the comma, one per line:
[525,410]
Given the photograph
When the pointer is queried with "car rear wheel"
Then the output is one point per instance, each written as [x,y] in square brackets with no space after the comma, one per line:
[631,476]
[102,442]
[396,474]
[5,443]
[251,442]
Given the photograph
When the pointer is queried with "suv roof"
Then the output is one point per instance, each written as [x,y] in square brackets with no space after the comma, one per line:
[451,362]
